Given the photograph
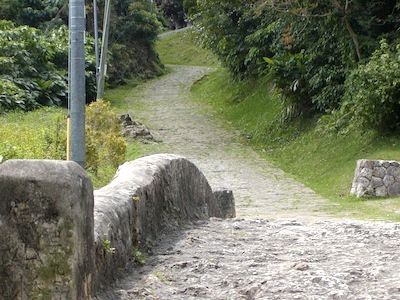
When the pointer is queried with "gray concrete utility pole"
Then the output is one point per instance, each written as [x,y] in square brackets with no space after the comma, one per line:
[77,98]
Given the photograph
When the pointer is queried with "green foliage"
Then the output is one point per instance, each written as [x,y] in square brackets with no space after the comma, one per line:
[372,97]
[173,11]
[138,256]
[107,246]
[229,29]
[29,77]
[133,32]
[307,48]
[104,144]
[34,53]
[43,14]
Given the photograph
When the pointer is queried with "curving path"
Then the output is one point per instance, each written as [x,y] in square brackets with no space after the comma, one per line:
[281,246]
[189,129]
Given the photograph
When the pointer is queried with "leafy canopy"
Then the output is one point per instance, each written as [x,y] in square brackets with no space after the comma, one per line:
[307,48]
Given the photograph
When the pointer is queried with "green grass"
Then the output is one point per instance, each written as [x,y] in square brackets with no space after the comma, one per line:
[321,160]
[179,49]
[34,134]
[41,134]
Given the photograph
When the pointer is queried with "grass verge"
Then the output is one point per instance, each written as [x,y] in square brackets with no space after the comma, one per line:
[179,49]
[41,134]
[323,161]
[36,134]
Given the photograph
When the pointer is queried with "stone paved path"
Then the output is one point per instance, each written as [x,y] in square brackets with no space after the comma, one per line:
[188,129]
[255,259]
[281,246]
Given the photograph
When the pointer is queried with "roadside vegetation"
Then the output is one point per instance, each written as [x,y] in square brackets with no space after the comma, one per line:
[187,54]
[322,160]
[305,148]
[311,85]
[34,76]
[314,85]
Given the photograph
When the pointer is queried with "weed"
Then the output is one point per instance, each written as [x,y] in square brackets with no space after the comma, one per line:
[161,277]
[107,246]
[138,256]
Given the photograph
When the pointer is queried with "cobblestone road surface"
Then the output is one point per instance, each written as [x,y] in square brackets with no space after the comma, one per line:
[281,245]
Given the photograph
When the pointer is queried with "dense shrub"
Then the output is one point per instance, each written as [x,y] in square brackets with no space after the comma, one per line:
[29,78]
[173,12]
[34,65]
[307,48]
[372,97]
[42,14]
[133,32]
[34,52]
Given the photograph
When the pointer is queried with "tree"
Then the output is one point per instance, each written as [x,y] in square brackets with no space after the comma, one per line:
[133,32]
[43,14]
[173,12]
[28,68]
[308,47]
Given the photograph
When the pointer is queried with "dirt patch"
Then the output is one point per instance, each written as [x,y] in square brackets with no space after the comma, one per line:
[259,255]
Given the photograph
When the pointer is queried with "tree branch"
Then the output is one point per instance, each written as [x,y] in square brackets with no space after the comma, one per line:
[348,25]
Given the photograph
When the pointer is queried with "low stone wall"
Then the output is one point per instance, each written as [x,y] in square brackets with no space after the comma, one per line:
[46,230]
[377,178]
[145,197]
[61,240]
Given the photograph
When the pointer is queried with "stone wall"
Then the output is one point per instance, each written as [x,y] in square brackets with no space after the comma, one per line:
[59,241]
[46,230]
[378,178]
[146,196]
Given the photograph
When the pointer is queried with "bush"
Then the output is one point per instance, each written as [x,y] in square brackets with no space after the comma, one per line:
[372,97]
[133,33]
[12,96]
[104,143]
[311,46]
[26,68]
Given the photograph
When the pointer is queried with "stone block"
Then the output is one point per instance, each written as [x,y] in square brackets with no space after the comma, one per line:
[365,163]
[394,189]
[378,178]
[225,204]
[381,191]
[376,182]
[366,172]
[379,172]
[393,171]
[388,180]
[46,230]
